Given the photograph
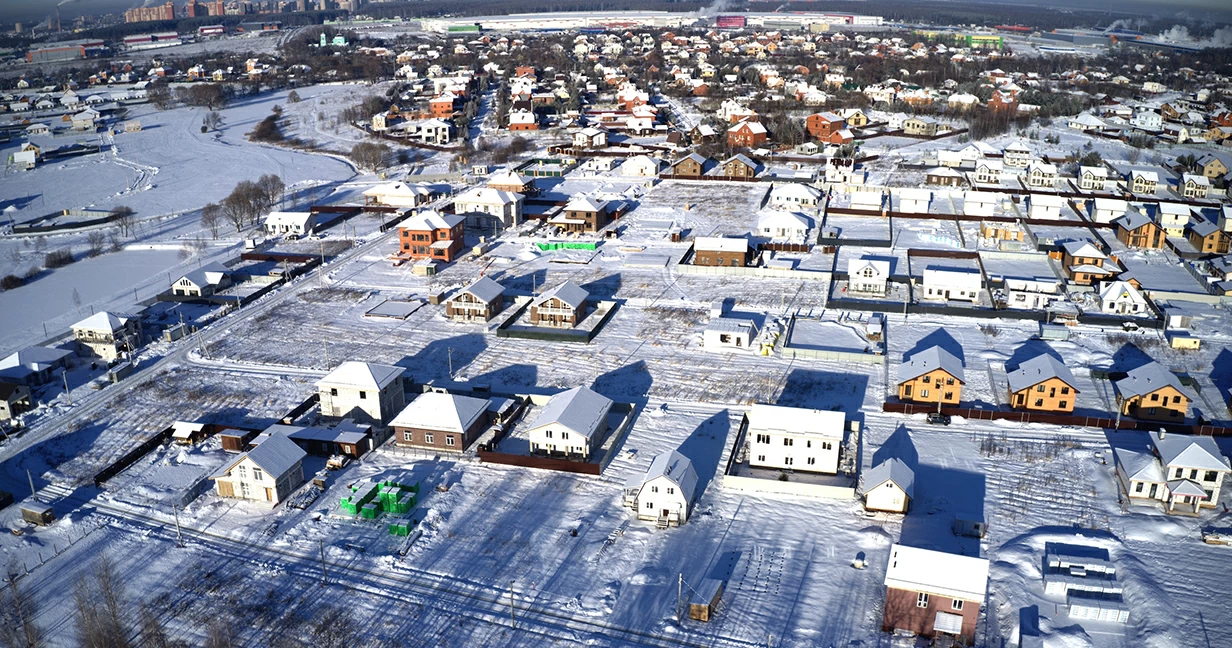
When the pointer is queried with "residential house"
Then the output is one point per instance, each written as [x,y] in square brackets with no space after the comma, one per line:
[988,171]
[641,166]
[867,198]
[963,284]
[363,391]
[1091,178]
[432,235]
[855,117]
[943,176]
[781,225]
[738,166]
[1121,298]
[931,375]
[1143,182]
[889,486]
[1183,472]
[747,134]
[1135,230]
[571,424]
[1195,187]
[583,214]
[500,205]
[980,203]
[921,126]
[913,201]
[205,281]
[795,438]
[1045,206]
[523,120]
[442,105]
[724,333]
[440,421]
[511,182]
[720,251]
[561,307]
[438,132]
[14,399]
[868,276]
[1152,393]
[34,365]
[1212,166]
[106,335]
[665,494]
[397,194]
[1107,210]
[1083,262]
[931,593]
[1207,238]
[268,473]
[590,138]
[1041,174]
[1174,218]
[1042,384]
[1147,120]
[294,223]
[478,302]
[1017,155]
[793,195]
[690,166]
[347,438]
[823,125]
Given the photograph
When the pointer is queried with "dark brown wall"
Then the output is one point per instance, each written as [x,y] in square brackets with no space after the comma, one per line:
[714,258]
[438,437]
[901,612]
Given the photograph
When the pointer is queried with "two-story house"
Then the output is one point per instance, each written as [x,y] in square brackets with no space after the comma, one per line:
[1173,217]
[868,276]
[205,281]
[988,171]
[561,307]
[748,134]
[1195,187]
[738,166]
[478,302]
[720,251]
[1042,384]
[921,126]
[1091,178]
[583,214]
[794,438]
[932,593]
[106,336]
[1206,237]
[1121,298]
[267,473]
[1183,472]
[1136,230]
[363,391]
[929,376]
[1041,174]
[1017,155]
[1152,393]
[1143,182]
[1083,262]
[692,165]
[432,235]
[501,205]
[822,125]
[571,424]
[666,493]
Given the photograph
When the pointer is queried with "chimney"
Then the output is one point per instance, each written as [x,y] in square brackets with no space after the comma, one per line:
[1162,434]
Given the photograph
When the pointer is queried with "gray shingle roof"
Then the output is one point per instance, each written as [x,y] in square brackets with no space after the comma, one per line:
[894,470]
[276,455]
[568,292]
[1186,451]
[1037,370]
[580,409]
[1146,379]
[677,468]
[928,360]
[485,290]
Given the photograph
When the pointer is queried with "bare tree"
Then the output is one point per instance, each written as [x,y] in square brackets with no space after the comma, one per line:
[370,156]
[219,635]
[124,218]
[244,204]
[95,242]
[101,608]
[212,120]
[153,634]
[272,187]
[17,626]
[211,218]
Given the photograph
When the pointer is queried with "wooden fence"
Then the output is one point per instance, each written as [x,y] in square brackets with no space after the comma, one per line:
[542,463]
[1022,416]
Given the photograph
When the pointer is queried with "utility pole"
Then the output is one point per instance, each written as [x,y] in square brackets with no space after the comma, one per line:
[31,478]
[512,621]
[179,538]
[451,363]
[67,395]
[324,574]
[679,593]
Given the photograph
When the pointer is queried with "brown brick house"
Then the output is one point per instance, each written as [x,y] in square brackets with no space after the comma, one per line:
[561,307]
[1083,262]
[931,375]
[690,166]
[439,421]
[747,133]
[1152,393]
[432,235]
[932,593]
[720,251]
[1136,230]
[442,105]
[1206,237]
[1042,384]
[583,214]
[739,166]
[478,302]
[822,125]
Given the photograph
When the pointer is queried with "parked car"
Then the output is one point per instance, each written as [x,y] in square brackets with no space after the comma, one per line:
[937,418]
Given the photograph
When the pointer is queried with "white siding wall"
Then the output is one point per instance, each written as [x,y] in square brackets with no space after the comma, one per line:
[658,495]
[886,497]
[793,451]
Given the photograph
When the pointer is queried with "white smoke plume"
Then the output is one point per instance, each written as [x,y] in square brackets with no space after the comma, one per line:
[1179,34]
[715,8]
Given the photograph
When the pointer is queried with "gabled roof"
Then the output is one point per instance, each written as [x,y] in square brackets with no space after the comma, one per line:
[676,468]
[438,411]
[743,159]
[433,220]
[935,572]
[288,218]
[927,360]
[1138,466]
[721,244]
[1037,370]
[361,375]
[586,204]
[699,159]
[880,266]
[276,455]
[1187,451]
[892,470]
[1203,227]
[794,190]
[774,218]
[580,409]
[485,289]
[207,275]
[796,420]
[1083,248]
[1149,377]
[1116,290]
[1133,220]
[506,177]
[35,358]
[101,321]
[488,196]
[395,189]
[568,292]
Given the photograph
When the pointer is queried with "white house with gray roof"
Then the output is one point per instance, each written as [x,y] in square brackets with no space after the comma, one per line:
[666,493]
[1182,471]
[889,486]
[571,424]
[203,282]
[267,473]
[363,391]
[728,333]
[795,438]
[1121,298]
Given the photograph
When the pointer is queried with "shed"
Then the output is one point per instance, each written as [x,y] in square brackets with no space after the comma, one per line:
[37,513]
[970,524]
[234,440]
[705,599]
[187,432]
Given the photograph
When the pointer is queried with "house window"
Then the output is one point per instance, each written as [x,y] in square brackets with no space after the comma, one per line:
[1211,476]
[333,391]
[671,491]
[826,445]
[1154,397]
[649,506]
[812,461]
[1179,472]
[1039,402]
[921,600]
[761,458]
[956,605]
[1193,474]
[788,442]
[548,434]
[1062,404]
[243,472]
[245,489]
[808,443]
[564,435]
[1150,410]
[408,436]
[927,380]
[1039,388]
[654,489]
[949,381]
[788,461]
[427,438]
[924,393]
[363,395]
[1138,487]
[1065,390]
[449,440]
[1176,399]
[906,390]
[949,396]
[257,475]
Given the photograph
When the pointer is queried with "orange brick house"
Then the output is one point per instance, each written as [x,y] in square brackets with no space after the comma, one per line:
[432,235]
[747,133]
[930,376]
[1152,393]
[1042,384]
[822,125]
[442,105]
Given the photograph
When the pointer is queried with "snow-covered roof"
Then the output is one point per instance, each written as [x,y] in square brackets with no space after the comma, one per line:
[580,409]
[439,411]
[35,358]
[1187,451]
[488,196]
[677,468]
[1046,200]
[361,375]
[1094,171]
[880,266]
[568,292]
[1083,248]
[935,572]
[754,127]
[293,219]
[506,178]
[1138,466]
[1149,176]
[794,190]
[721,244]
[585,204]
[101,321]
[1133,220]
[796,420]
[731,325]
[276,455]
[433,220]
[927,360]
[1117,290]
[777,219]
[961,278]
[485,289]
[1038,369]
[207,275]
[395,189]
[982,197]
[893,470]
[1146,379]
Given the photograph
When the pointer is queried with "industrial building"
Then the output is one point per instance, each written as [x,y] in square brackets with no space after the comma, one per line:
[65,51]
